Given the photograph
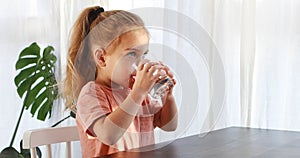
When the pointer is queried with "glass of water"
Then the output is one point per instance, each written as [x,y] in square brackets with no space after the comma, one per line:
[161,87]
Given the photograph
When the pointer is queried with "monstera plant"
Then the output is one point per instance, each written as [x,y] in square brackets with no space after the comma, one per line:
[36,86]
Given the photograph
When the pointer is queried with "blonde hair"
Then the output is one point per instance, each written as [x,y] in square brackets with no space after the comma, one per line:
[93,29]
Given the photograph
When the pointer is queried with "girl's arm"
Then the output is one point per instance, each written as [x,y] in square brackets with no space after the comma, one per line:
[111,128]
[167,118]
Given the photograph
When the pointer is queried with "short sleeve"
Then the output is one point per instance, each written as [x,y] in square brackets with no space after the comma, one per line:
[92,104]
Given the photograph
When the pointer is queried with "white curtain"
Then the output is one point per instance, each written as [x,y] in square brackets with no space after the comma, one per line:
[275,86]
[258,42]
[22,22]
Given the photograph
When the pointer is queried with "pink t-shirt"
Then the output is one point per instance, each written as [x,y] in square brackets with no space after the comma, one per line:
[96,101]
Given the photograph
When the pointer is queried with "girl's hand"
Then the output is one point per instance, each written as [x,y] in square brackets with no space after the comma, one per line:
[171,76]
[145,79]
[169,96]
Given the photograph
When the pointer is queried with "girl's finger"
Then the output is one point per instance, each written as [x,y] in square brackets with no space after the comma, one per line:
[148,65]
[155,69]
[142,63]
[140,66]
[170,74]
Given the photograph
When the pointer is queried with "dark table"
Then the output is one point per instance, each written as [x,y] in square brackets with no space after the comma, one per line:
[233,142]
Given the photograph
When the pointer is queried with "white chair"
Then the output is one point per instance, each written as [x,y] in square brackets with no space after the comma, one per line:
[48,136]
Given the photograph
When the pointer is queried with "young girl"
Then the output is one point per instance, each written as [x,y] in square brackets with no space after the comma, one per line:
[114,111]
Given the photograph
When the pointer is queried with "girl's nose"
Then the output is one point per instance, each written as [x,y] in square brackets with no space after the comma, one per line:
[139,60]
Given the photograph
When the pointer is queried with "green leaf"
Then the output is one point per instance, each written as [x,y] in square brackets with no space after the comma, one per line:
[36,80]
[45,108]
[25,73]
[33,49]
[25,85]
[32,94]
[38,102]
[23,62]
[47,51]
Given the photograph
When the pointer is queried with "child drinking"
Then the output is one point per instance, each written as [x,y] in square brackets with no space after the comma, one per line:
[113,109]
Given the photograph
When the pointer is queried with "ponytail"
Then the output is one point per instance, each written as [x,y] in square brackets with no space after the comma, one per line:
[80,30]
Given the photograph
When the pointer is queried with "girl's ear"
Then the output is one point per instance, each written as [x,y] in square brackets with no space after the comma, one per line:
[100,57]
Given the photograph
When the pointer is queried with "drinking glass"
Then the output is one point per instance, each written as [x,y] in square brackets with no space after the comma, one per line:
[161,87]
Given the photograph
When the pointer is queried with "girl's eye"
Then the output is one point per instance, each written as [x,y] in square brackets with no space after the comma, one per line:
[131,54]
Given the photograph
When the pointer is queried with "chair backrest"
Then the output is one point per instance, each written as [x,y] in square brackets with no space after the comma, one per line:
[48,136]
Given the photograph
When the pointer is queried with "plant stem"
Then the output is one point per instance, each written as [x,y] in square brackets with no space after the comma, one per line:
[23,107]
[20,116]
[17,126]
[60,121]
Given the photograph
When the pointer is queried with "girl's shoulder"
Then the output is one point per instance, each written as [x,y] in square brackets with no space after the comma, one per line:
[92,88]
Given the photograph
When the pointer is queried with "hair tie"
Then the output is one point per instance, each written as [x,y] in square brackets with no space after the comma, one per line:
[99,10]
[94,14]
